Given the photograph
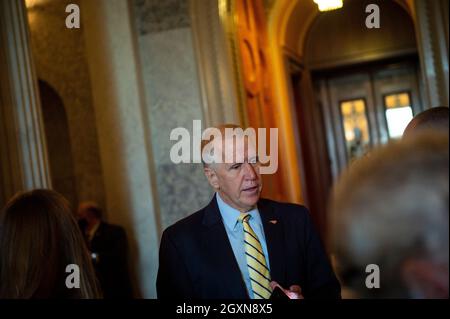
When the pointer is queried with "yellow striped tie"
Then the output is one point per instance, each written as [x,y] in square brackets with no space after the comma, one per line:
[256,262]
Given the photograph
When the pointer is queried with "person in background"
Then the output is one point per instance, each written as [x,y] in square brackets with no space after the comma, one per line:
[38,240]
[390,211]
[108,247]
[435,119]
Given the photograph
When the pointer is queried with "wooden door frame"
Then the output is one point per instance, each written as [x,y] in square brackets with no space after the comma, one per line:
[313,160]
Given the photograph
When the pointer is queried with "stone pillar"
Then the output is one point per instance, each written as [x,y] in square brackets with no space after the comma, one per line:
[432,39]
[212,44]
[123,134]
[23,155]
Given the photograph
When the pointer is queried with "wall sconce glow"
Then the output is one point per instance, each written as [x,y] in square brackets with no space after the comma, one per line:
[328,5]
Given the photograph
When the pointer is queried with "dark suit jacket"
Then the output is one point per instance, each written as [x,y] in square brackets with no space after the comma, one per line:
[196,260]
[110,244]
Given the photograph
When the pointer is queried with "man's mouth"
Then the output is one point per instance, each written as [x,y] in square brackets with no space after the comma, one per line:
[250,189]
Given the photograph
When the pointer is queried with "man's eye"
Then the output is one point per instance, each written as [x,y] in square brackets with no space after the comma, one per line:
[236,166]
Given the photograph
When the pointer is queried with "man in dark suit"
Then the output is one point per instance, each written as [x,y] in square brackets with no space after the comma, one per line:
[107,244]
[241,246]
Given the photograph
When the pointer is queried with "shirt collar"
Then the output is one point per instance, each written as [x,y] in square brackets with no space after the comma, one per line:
[230,215]
[93,230]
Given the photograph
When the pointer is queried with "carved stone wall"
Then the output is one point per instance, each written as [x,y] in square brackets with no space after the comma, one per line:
[60,58]
[173,100]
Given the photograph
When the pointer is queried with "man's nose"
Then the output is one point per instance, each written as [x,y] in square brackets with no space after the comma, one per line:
[249,171]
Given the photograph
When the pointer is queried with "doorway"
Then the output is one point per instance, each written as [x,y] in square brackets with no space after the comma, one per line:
[366,106]
[344,112]
[58,142]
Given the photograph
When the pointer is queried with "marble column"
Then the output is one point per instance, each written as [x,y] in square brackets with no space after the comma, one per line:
[23,155]
[124,139]
[213,49]
[432,39]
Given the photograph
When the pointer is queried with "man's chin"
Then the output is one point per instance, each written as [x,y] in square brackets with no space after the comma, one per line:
[250,199]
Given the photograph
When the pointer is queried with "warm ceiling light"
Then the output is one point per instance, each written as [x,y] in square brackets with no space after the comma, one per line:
[32,4]
[328,5]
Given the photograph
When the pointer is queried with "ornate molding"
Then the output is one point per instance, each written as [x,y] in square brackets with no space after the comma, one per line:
[432,38]
[215,64]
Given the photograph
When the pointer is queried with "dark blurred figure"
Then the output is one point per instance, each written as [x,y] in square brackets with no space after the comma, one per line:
[434,119]
[38,239]
[391,209]
[109,251]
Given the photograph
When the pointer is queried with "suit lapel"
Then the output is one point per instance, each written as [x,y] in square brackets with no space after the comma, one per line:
[273,230]
[217,244]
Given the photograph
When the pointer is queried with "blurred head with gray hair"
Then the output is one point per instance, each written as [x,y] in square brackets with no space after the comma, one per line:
[433,119]
[391,209]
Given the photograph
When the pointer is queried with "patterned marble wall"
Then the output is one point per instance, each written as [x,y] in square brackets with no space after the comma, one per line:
[157,16]
[173,100]
[60,61]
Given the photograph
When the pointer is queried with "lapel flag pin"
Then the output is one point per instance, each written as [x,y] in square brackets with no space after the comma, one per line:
[274,221]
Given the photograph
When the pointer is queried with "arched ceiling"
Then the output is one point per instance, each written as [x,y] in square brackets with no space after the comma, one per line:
[300,17]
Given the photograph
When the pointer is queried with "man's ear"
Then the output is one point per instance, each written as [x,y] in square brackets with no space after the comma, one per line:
[212,177]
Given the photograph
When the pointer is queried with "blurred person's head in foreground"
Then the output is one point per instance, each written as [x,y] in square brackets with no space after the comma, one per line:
[391,209]
[434,119]
[39,239]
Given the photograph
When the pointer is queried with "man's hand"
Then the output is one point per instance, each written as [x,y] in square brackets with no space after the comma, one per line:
[294,292]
